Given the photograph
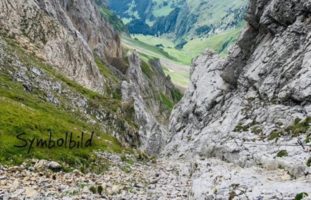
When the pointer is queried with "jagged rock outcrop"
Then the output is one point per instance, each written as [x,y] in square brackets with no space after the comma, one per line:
[23,69]
[63,33]
[252,109]
[73,38]
[148,91]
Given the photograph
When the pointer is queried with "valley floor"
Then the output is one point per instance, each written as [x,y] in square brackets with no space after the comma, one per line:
[164,179]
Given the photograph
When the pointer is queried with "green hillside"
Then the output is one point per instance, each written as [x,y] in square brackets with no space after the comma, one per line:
[27,115]
[180,30]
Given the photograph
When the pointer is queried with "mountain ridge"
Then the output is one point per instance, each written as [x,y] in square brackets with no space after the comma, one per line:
[156,17]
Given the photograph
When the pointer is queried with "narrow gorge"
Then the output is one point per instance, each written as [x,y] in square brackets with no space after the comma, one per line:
[241,130]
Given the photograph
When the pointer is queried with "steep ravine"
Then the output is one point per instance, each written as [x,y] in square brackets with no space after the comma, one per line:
[241,131]
[62,71]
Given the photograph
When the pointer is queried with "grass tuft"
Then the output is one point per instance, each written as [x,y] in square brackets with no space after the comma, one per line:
[282,153]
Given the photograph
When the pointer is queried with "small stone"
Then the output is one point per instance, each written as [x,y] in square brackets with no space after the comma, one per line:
[138,185]
[36,71]
[17,193]
[116,189]
[31,193]
[76,172]
[54,166]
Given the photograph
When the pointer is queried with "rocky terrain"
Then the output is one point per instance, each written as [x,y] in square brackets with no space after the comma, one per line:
[66,54]
[123,180]
[253,108]
[148,112]
[241,131]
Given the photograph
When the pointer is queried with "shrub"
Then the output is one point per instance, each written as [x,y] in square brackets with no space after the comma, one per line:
[282,153]
[241,128]
[275,134]
[299,127]
[100,189]
[300,196]
[93,189]
[257,130]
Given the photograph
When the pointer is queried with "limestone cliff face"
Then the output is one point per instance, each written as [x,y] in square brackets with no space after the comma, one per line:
[64,33]
[253,108]
[52,38]
[150,93]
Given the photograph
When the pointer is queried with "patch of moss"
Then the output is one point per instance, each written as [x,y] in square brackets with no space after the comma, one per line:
[308,138]
[275,134]
[166,101]
[176,95]
[299,127]
[282,153]
[100,189]
[126,169]
[309,162]
[257,130]
[93,189]
[105,71]
[146,69]
[241,128]
[301,196]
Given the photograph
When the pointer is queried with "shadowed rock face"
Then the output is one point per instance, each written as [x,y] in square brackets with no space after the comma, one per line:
[243,109]
[145,93]
[63,33]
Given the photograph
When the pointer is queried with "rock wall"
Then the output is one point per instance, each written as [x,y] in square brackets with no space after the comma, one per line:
[72,38]
[145,93]
[252,109]
[63,33]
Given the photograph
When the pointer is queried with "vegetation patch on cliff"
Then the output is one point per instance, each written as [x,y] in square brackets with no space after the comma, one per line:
[25,112]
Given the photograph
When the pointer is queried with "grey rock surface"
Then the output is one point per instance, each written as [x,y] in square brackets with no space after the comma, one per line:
[63,33]
[242,130]
[245,109]
[141,180]
[144,93]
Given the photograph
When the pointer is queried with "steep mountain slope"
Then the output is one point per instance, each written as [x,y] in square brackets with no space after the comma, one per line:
[251,110]
[61,70]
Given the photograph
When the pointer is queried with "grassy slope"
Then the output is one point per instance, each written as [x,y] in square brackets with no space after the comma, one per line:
[214,11]
[218,43]
[178,72]
[24,112]
[112,19]
[176,62]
